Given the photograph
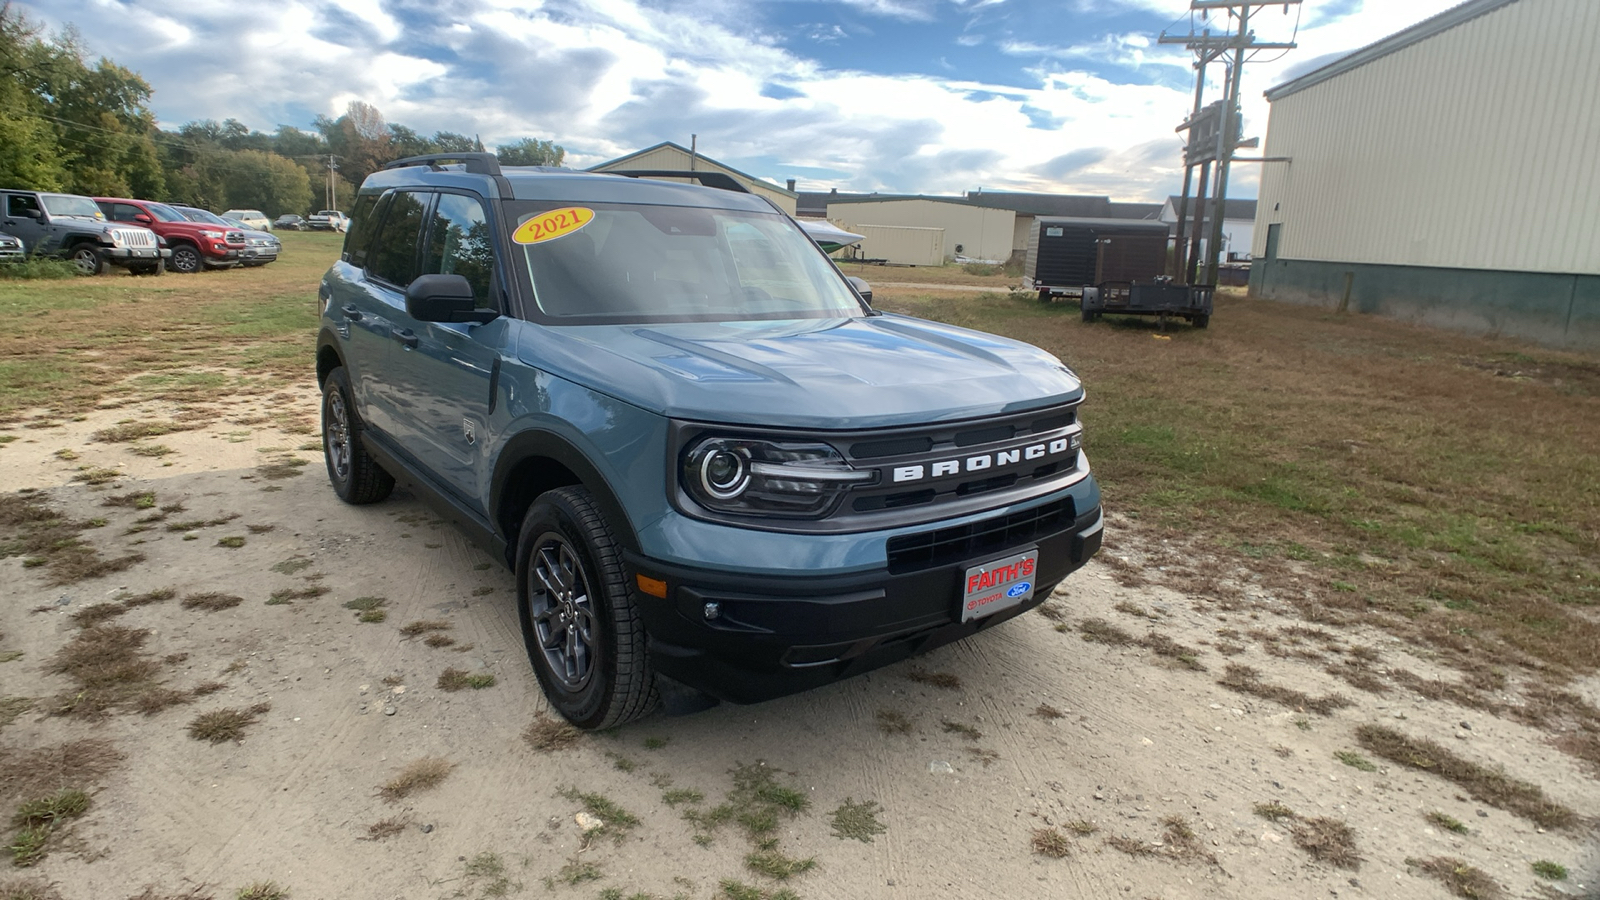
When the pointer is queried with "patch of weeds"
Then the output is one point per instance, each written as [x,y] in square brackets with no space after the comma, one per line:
[1274,811]
[420,775]
[99,612]
[387,828]
[615,821]
[891,722]
[1130,846]
[622,763]
[44,537]
[438,640]
[1447,822]
[132,500]
[1082,827]
[776,865]
[1134,609]
[1247,680]
[211,601]
[126,432]
[1550,871]
[291,565]
[222,725]
[547,735]
[1459,878]
[262,890]
[196,524]
[654,742]
[1355,760]
[453,680]
[289,595]
[94,477]
[734,890]
[151,450]
[66,454]
[945,680]
[575,873]
[857,821]
[1491,786]
[282,467]
[1047,712]
[110,669]
[484,876]
[1167,648]
[421,627]
[368,609]
[36,821]
[682,795]
[232,542]
[483,591]
[961,728]
[372,616]
[987,757]
[28,847]
[1100,631]
[13,707]
[260,529]
[1327,839]
[1052,843]
[28,889]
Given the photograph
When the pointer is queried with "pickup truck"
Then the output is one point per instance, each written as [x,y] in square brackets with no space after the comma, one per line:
[716,470]
[328,220]
[74,228]
[196,246]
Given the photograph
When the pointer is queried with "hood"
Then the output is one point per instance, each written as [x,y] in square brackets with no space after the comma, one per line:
[877,371]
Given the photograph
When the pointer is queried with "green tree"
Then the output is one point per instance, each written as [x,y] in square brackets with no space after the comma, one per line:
[29,153]
[531,152]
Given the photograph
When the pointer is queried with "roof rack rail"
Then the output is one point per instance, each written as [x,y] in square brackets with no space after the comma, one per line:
[718,180]
[476,163]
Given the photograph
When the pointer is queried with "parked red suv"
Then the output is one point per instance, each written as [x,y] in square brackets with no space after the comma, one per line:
[195,245]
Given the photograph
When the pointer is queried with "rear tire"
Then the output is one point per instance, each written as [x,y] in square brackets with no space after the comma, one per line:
[86,259]
[579,622]
[356,476]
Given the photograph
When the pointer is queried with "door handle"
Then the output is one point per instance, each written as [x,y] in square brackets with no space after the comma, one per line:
[350,312]
[405,336]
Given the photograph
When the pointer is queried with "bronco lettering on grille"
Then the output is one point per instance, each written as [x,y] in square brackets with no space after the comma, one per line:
[942,468]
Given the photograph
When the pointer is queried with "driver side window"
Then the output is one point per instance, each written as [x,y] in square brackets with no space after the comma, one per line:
[20,204]
[460,243]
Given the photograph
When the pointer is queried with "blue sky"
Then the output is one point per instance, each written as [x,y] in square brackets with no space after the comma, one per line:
[915,96]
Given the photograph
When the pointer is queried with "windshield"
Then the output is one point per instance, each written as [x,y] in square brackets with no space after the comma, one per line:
[70,205]
[622,263]
[200,215]
[164,213]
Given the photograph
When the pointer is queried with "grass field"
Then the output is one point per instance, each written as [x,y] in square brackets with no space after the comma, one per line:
[1443,485]
[1366,470]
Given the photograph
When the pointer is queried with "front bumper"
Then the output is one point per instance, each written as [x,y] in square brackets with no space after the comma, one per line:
[10,254]
[775,635]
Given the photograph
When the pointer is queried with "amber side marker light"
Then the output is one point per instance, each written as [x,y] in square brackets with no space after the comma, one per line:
[655,587]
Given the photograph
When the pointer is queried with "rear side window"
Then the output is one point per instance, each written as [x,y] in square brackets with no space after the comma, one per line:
[394,250]
[359,237]
[459,243]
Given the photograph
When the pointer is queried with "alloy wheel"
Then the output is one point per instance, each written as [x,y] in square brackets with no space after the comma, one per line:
[562,612]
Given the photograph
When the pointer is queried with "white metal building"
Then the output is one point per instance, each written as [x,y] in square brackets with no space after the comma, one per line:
[1238,224]
[1446,174]
[669,156]
[970,231]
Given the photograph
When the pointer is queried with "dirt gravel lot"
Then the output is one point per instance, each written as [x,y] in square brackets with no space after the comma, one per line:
[1085,750]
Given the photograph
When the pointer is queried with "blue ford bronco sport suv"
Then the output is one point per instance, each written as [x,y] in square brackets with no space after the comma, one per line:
[714,468]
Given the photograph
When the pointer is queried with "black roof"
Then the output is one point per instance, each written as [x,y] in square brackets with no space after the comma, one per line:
[1077,206]
[1235,209]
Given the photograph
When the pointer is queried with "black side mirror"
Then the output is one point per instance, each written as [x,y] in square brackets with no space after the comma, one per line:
[444,298]
[862,288]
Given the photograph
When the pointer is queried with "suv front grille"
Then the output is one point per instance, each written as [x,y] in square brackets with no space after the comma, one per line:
[135,237]
[943,546]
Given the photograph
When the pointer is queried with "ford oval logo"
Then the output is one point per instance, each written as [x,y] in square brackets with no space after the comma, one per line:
[1018,589]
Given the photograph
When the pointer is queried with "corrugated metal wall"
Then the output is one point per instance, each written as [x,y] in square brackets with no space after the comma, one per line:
[1476,148]
[902,245]
[673,158]
[983,233]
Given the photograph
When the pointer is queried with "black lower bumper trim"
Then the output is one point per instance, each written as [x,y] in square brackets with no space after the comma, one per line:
[751,638]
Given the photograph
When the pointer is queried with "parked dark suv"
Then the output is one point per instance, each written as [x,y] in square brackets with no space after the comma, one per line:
[708,460]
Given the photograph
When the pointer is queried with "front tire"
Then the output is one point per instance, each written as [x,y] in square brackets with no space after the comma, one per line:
[185,260]
[356,476]
[86,259]
[582,630]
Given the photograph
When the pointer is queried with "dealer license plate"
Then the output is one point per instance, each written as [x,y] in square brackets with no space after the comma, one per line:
[998,585]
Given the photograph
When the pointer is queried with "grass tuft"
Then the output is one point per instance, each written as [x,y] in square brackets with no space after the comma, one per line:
[420,775]
[548,735]
[1447,822]
[1247,680]
[453,680]
[1274,811]
[891,722]
[1550,871]
[1459,878]
[1329,840]
[1355,760]
[387,828]
[1052,843]
[421,627]
[946,680]
[777,866]
[222,725]
[262,890]
[857,821]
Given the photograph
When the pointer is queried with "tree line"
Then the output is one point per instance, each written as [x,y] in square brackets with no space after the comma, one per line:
[68,124]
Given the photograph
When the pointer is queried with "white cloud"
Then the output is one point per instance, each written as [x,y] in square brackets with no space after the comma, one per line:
[605,77]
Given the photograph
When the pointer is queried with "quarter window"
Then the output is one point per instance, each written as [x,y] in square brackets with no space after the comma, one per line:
[394,251]
[359,238]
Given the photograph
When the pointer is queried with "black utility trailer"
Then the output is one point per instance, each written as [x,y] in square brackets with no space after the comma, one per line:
[1110,265]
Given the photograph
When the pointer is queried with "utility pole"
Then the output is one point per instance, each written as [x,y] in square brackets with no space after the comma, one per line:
[332,167]
[1225,119]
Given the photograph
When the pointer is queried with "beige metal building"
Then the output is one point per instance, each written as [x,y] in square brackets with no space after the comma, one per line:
[970,231]
[903,245]
[1445,174]
[669,156]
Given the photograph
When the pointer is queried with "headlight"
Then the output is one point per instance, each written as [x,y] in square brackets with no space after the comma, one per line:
[206,232]
[114,238]
[768,477]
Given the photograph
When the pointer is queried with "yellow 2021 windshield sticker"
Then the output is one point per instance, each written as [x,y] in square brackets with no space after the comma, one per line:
[548,226]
